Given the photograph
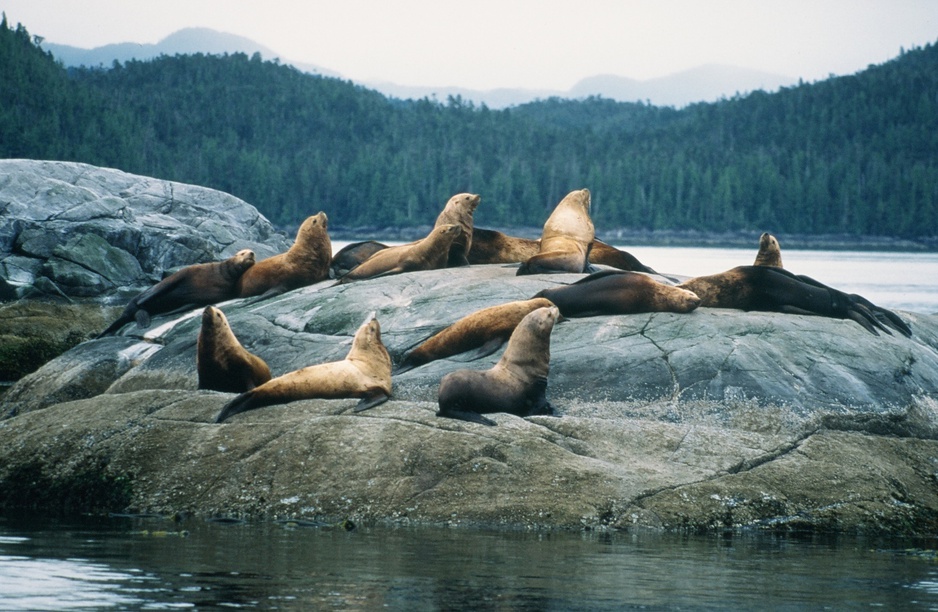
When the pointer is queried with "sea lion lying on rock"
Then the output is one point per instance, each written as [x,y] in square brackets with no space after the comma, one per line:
[352,255]
[431,253]
[517,384]
[566,239]
[192,286]
[611,292]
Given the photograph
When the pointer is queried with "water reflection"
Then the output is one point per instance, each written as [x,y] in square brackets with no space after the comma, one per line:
[151,564]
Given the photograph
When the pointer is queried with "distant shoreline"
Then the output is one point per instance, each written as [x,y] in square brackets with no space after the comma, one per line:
[675,238]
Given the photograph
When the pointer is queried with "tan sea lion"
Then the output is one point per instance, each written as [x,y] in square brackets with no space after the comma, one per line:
[483,330]
[365,373]
[458,211]
[493,247]
[430,253]
[619,292]
[222,363]
[767,288]
[193,286]
[517,384]
[770,253]
[306,262]
[566,239]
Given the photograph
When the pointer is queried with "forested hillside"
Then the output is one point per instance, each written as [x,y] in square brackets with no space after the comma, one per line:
[853,155]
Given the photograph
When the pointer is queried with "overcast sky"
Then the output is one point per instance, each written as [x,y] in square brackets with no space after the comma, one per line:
[535,44]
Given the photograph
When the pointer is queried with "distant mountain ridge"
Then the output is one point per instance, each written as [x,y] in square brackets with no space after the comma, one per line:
[705,83]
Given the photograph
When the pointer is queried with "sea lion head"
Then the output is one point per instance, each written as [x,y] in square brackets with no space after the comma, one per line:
[235,265]
[680,300]
[314,224]
[465,201]
[368,335]
[770,253]
[448,230]
[213,317]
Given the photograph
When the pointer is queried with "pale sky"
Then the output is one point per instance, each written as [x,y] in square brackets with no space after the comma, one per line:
[532,44]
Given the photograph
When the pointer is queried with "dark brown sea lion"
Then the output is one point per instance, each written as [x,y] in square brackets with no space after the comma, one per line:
[517,384]
[619,292]
[770,253]
[483,332]
[365,373]
[608,255]
[458,211]
[193,286]
[493,247]
[767,288]
[431,253]
[566,239]
[352,255]
[222,363]
[306,262]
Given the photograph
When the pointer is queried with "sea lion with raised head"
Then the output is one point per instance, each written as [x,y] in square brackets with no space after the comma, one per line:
[611,292]
[430,253]
[192,286]
[566,238]
[517,384]
[483,332]
[458,211]
[365,373]
[770,253]
[306,262]
[772,289]
[220,360]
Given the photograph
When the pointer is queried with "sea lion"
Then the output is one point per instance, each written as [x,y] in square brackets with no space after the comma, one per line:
[458,211]
[566,238]
[619,292]
[484,330]
[770,253]
[365,373]
[352,255]
[222,363]
[608,255]
[306,262]
[192,286]
[517,384]
[430,253]
[767,288]
[493,247]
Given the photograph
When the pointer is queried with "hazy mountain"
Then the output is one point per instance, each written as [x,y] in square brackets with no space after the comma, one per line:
[702,84]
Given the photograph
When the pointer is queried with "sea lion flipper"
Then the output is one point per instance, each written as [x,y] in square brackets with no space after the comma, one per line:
[466,415]
[490,346]
[370,402]
[142,317]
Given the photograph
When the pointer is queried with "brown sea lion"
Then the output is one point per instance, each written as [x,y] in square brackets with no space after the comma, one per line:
[619,292]
[352,255]
[493,247]
[608,255]
[767,288]
[193,286]
[431,253]
[483,330]
[365,373]
[566,239]
[770,253]
[222,363]
[458,211]
[306,262]
[517,384]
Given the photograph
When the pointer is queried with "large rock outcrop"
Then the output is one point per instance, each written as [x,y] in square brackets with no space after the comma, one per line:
[704,420]
[74,230]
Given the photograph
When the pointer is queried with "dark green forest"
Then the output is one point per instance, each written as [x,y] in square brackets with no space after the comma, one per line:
[855,155]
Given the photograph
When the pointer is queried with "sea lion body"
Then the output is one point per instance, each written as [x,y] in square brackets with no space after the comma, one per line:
[458,211]
[222,363]
[483,331]
[306,262]
[352,255]
[494,247]
[365,373]
[430,253]
[195,285]
[772,289]
[613,292]
[608,255]
[770,253]
[517,384]
[566,238]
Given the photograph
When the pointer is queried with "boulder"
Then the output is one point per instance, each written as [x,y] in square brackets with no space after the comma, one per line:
[74,230]
[708,420]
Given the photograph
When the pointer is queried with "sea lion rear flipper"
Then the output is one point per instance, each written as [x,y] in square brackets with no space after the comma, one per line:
[370,402]
[142,317]
[466,415]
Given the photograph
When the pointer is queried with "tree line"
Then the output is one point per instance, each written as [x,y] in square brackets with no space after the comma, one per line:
[848,155]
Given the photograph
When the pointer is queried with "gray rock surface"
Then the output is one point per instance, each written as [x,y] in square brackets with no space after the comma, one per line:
[83,231]
[706,420]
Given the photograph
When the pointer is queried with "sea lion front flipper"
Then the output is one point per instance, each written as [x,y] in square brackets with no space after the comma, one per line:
[370,402]
[490,346]
[466,415]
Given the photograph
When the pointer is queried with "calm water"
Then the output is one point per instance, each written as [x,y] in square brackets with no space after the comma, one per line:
[134,564]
